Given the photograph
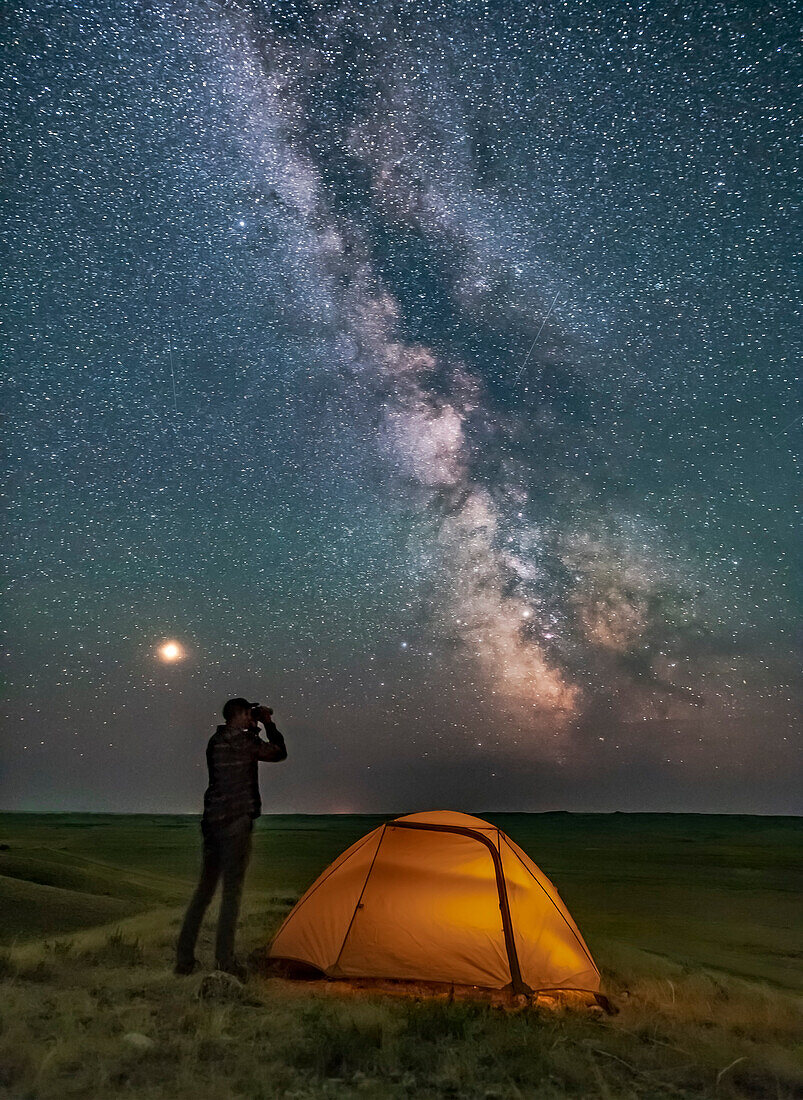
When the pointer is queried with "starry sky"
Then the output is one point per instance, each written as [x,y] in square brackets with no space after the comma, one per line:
[425,371]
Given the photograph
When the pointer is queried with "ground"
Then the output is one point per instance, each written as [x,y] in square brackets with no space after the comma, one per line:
[693,920]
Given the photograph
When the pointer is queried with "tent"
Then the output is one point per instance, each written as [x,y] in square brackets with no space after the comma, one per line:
[438,897]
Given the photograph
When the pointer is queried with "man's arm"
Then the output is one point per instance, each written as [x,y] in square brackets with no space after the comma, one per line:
[273,750]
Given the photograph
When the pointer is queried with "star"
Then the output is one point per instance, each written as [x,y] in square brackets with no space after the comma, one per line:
[171,651]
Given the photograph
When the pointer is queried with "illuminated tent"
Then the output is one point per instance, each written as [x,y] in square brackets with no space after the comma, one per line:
[440,897]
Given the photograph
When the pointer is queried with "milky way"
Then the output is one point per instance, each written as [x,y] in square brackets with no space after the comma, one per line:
[427,374]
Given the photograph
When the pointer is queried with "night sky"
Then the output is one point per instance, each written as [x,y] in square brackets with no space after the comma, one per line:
[423,370]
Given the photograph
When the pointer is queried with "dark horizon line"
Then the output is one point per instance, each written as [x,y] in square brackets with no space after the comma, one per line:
[390,816]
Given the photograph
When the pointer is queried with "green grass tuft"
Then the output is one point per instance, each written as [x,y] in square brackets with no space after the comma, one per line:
[117,950]
[335,1044]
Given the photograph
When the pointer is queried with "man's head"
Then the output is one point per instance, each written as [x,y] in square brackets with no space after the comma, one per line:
[237,714]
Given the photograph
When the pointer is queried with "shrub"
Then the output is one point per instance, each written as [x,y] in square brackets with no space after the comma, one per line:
[61,949]
[117,951]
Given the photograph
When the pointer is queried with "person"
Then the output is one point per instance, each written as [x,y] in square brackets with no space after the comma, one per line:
[231,804]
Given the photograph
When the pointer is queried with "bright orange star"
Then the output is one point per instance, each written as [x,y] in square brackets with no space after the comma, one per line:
[170,652]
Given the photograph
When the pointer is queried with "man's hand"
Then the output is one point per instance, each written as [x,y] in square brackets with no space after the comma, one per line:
[274,749]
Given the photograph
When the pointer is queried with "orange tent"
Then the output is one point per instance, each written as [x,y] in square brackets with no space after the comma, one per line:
[441,897]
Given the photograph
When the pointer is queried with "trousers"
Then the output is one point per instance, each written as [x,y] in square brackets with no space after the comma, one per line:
[226,852]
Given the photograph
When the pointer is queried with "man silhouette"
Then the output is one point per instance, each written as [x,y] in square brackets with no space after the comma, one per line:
[231,803]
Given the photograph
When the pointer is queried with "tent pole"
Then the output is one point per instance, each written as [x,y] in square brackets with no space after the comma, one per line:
[517,983]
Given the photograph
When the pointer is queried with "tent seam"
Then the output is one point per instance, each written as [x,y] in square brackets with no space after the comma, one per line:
[557,910]
[337,863]
[359,899]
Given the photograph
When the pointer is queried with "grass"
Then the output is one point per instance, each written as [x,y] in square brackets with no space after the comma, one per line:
[94,1011]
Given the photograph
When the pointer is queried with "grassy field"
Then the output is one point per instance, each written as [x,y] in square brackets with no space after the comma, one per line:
[694,921]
